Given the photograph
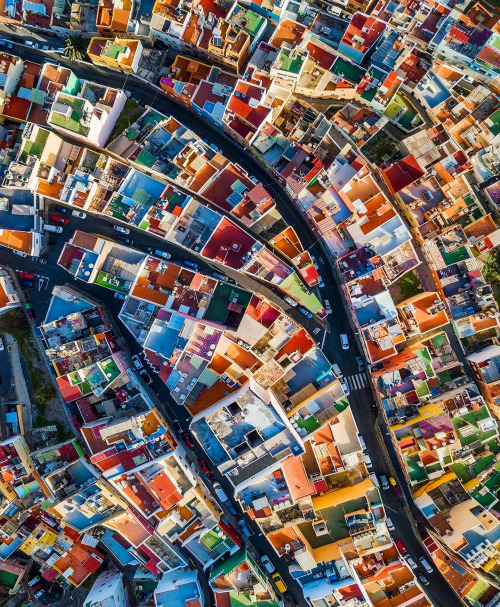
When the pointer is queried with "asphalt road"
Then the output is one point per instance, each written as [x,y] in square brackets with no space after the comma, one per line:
[361,400]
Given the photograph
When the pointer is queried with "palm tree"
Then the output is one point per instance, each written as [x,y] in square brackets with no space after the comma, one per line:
[75,47]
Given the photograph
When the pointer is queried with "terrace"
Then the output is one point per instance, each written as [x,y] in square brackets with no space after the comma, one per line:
[402,112]
[475,427]
[68,113]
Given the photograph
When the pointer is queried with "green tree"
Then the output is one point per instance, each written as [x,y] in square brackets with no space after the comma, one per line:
[491,267]
[75,47]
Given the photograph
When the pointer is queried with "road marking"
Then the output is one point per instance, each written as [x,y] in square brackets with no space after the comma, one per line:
[357,382]
[323,340]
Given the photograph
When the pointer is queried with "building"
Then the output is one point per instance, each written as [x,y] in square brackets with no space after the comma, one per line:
[108,590]
[123,54]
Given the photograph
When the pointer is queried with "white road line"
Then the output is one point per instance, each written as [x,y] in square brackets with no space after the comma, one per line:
[324,337]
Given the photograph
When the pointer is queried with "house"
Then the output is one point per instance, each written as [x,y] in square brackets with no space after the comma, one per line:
[121,54]
[108,589]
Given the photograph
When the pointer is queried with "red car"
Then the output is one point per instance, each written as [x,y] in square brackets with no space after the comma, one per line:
[203,465]
[76,422]
[58,219]
[400,546]
[26,275]
[186,438]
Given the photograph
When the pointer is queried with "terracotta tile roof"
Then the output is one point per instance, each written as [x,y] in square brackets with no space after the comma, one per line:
[402,173]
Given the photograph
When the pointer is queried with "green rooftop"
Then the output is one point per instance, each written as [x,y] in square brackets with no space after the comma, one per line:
[35,148]
[294,287]
[110,281]
[347,69]
[253,22]
[289,63]
[113,50]
[225,566]
[415,468]
[401,111]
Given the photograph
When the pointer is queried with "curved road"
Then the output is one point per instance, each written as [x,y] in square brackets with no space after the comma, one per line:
[361,399]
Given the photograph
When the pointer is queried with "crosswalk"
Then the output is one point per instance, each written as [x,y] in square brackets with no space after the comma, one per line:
[358,381]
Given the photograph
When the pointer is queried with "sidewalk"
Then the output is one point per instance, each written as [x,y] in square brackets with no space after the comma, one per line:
[22,392]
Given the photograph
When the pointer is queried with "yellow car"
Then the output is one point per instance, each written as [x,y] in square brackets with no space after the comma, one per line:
[280,584]
[392,481]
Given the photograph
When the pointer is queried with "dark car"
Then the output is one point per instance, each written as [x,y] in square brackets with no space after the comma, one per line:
[361,363]
[27,284]
[124,240]
[76,422]
[187,439]
[30,311]
[397,492]
[145,376]
[62,210]
[376,367]
[41,260]
[26,275]
[203,465]
[58,219]
[400,546]
[211,477]
[177,425]
[146,248]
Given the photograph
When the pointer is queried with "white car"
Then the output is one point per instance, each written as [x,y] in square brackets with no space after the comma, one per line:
[1,344]
[79,214]
[345,386]
[121,230]
[328,307]
[410,561]
[290,301]
[390,524]
[344,341]
[368,461]
[137,361]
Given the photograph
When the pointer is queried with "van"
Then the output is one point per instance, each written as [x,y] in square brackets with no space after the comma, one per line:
[426,565]
[50,228]
[290,301]
[384,481]
[220,493]
[162,254]
[336,370]
[374,480]
[190,264]
[220,276]
[328,307]
[390,524]
[362,442]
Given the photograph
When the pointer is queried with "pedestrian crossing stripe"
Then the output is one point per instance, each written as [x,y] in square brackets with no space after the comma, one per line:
[358,381]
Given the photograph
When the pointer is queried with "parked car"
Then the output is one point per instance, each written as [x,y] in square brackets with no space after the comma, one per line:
[187,439]
[30,310]
[376,367]
[362,442]
[336,370]
[79,214]
[34,581]
[26,275]
[48,227]
[27,284]
[121,229]
[423,579]
[20,253]
[41,260]
[266,561]
[203,466]
[389,523]
[280,584]
[291,301]
[119,295]
[39,594]
[137,361]
[361,364]
[392,481]
[61,209]
[244,528]
[345,386]
[58,219]
[220,493]
[344,340]
[76,422]
[368,461]
[176,424]
[124,240]
[305,312]
[145,376]
[1,345]
[384,481]
[328,307]
[146,248]
[190,264]
[410,561]
[400,546]
[426,565]
[321,284]
[162,254]
[397,492]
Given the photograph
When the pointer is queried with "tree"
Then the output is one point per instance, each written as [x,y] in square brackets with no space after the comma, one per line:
[491,267]
[75,47]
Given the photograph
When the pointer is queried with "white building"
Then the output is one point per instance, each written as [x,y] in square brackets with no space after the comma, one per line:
[108,591]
